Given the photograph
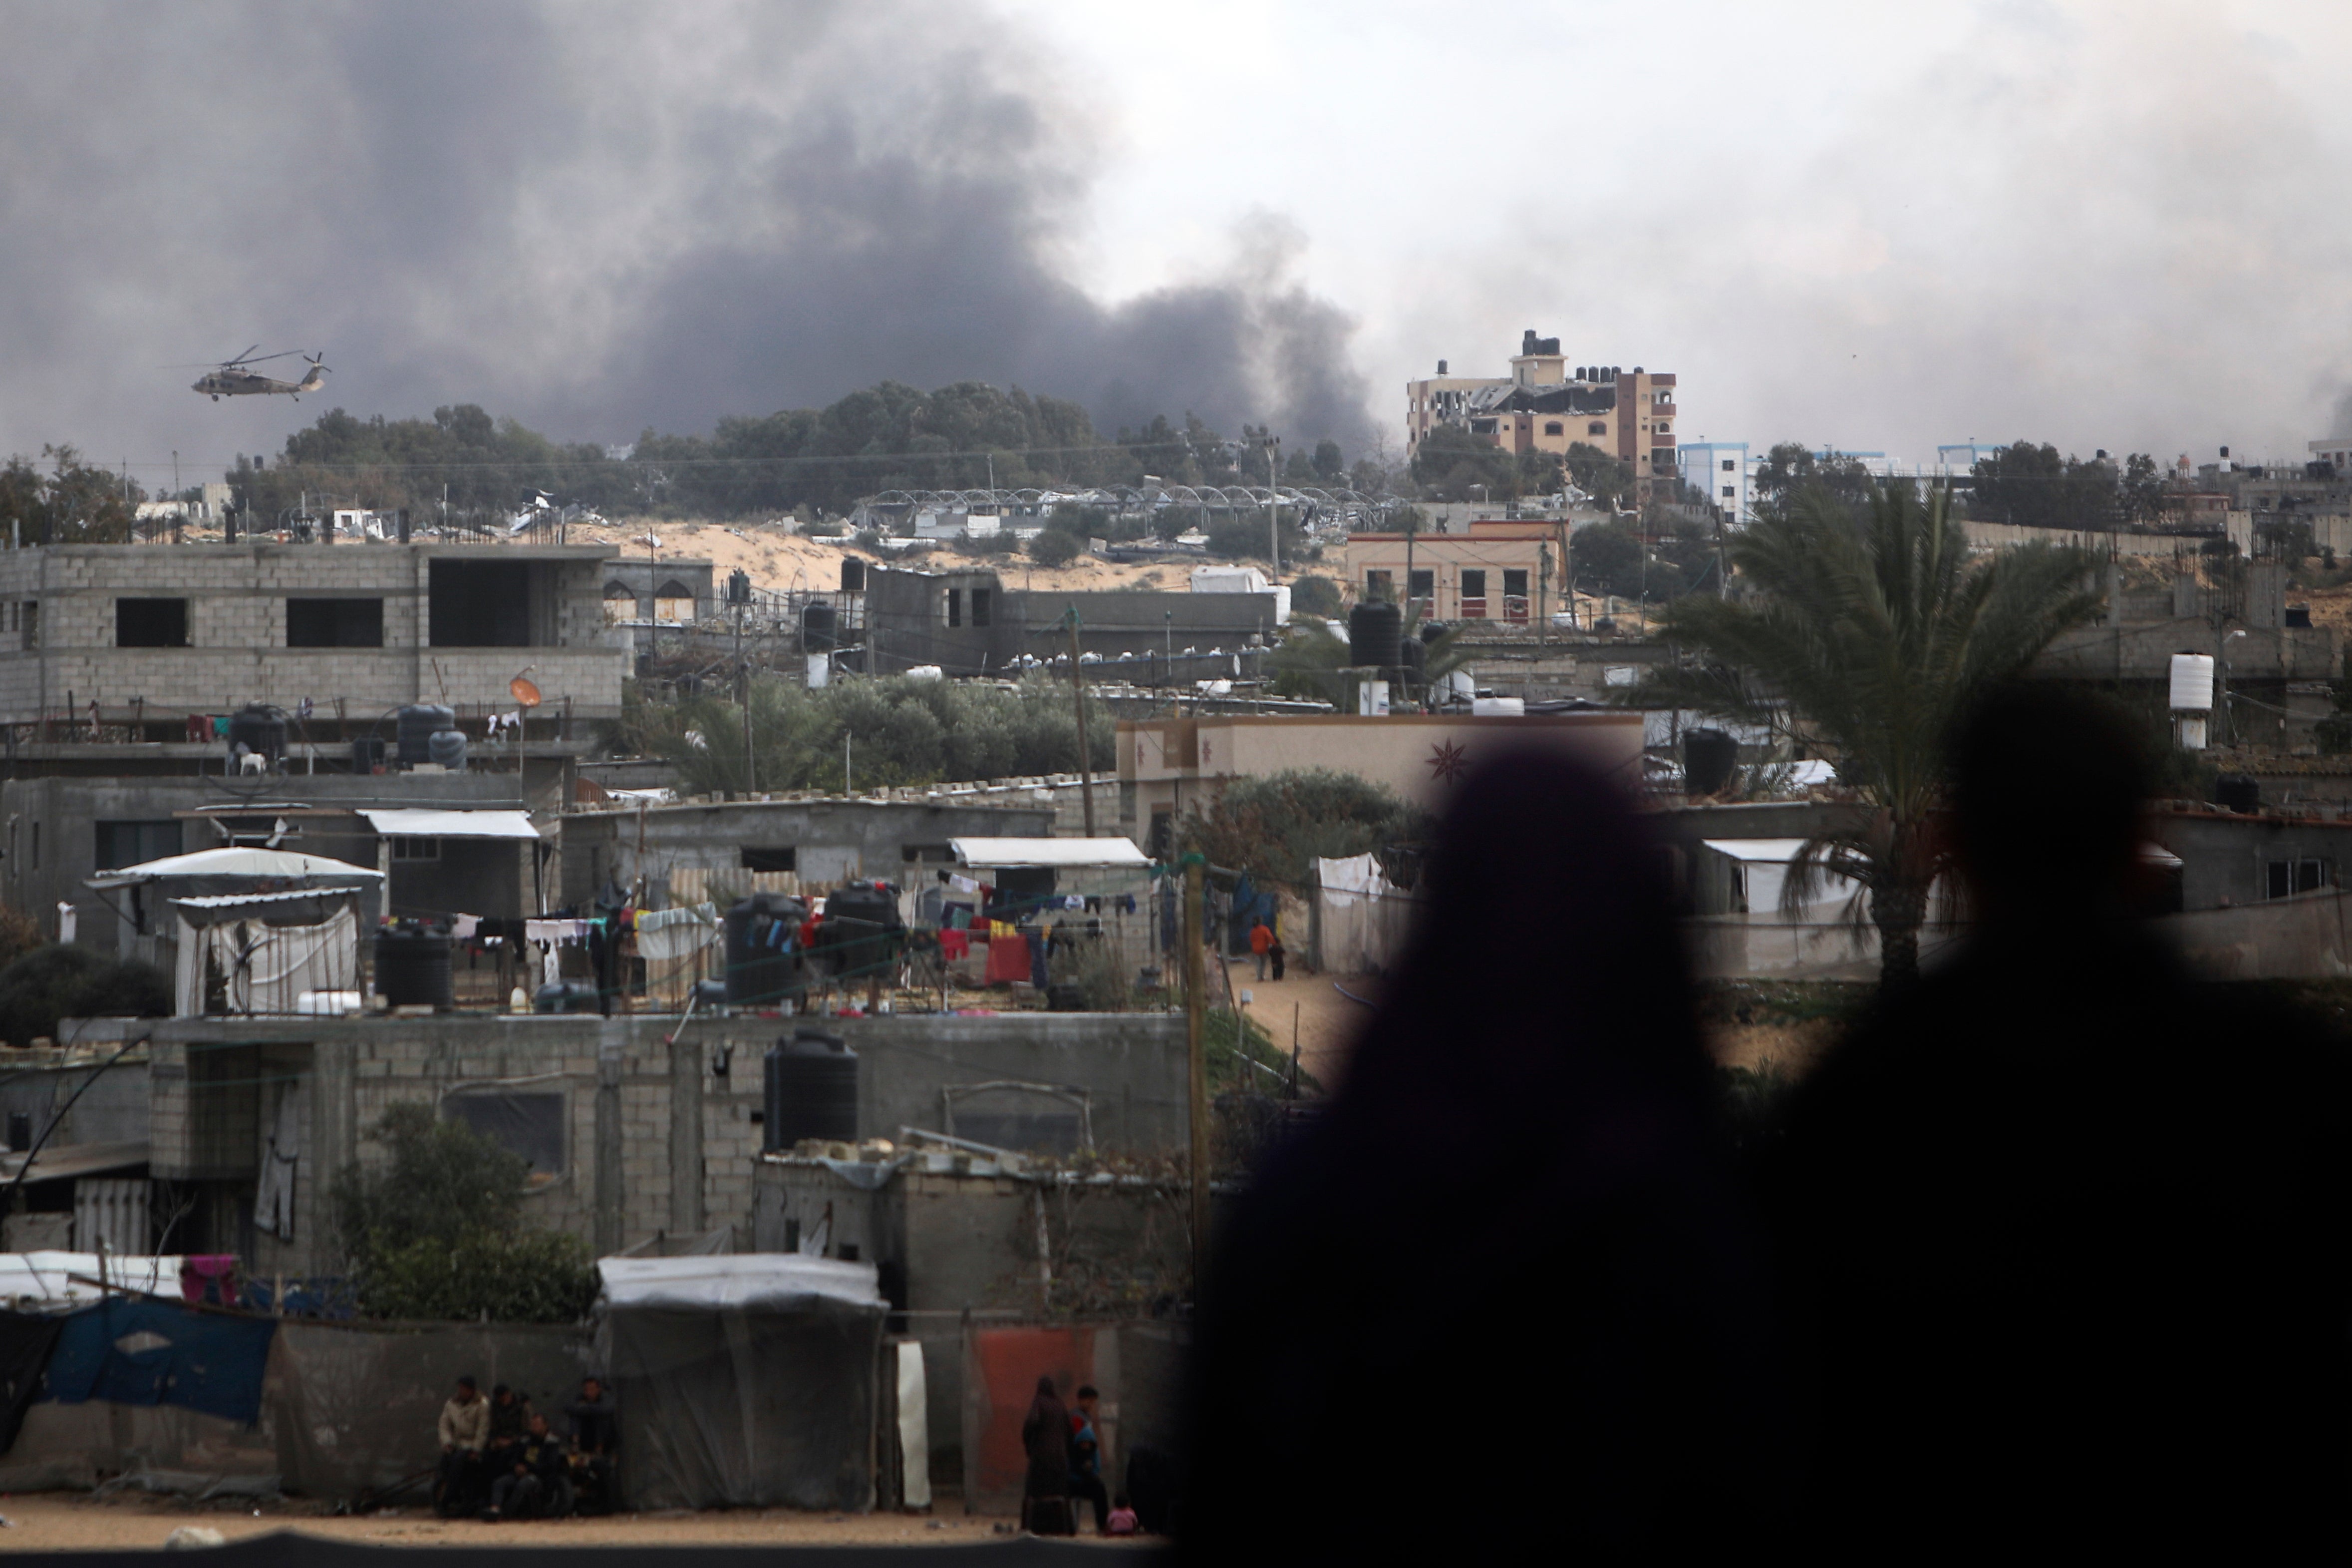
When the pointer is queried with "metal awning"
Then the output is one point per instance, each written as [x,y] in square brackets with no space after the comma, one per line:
[1062,854]
[250,864]
[299,906]
[64,1161]
[417,822]
[1773,851]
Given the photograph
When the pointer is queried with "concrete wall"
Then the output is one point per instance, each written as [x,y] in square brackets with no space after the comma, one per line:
[655,1139]
[907,620]
[946,1243]
[642,577]
[236,650]
[1170,762]
[63,813]
[2226,858]
[833,840]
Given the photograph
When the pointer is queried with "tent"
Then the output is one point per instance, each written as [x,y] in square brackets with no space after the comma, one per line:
[1360,917]
[275,953]
[743,1381]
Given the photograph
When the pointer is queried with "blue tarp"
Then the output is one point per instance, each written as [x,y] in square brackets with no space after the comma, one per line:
[136,1351]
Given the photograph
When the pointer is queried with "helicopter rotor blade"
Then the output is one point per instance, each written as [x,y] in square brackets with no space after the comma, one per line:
[240,359]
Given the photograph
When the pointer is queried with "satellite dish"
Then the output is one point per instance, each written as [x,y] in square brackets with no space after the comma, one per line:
[523,691]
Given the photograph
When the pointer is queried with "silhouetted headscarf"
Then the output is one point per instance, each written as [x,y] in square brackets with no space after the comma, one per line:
[1045,1436]
[1512,1246]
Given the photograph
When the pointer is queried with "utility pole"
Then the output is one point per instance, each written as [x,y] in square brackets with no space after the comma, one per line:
[1086,755]
[1196,998]
[1543,581]
[1273,516]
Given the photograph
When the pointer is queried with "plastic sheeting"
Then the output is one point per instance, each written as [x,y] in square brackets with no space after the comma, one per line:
[743,1381]
[26,1339]
[266,968]
[56,1277]
[914,1427]
[134,1351]
[1362,918]
[354,1408]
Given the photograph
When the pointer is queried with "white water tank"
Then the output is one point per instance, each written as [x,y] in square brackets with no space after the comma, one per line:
[2192,683]
[1499,706]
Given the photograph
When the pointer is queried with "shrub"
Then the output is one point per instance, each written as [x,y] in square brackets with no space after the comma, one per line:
[63,980]
[1313,595]
[1052,547]
[438,1232]
[19,934]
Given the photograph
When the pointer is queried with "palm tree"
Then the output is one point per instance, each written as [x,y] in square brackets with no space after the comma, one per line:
[1865,632]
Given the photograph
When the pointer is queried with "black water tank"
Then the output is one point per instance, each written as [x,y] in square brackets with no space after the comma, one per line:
[1708,757]
[739,586]
[367,753]
[1416,660]
[809,1087]
[258,729]
[759,973]
[862,931]
[418,722]
[447,748]
[817,628]
[1431,630]
[412,965]
[566,996]
[2238,792]
[1375,631]
[853,574]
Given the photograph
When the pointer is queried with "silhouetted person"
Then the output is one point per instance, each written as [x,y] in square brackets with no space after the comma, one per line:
[2072,1228]
[1511,1248]
[1045,1438]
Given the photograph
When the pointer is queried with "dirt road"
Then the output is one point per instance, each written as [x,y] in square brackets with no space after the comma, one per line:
[69,1522]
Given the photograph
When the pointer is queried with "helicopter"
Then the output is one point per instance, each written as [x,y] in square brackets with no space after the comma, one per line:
[238,378]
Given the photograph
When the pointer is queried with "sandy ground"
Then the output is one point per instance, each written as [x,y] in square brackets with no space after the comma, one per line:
[69,1522]
[781,562]
[1309,1008]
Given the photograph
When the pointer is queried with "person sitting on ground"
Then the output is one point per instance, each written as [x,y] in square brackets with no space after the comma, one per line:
[1261,944]
[528,1489]
[1122,1520]
[1085,1459]
[510,1425]
[464,1429]
[596,1436]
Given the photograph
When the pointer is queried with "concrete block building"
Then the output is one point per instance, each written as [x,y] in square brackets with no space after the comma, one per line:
[140,637]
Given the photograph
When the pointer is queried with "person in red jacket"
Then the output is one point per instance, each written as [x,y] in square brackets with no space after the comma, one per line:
[1261,944]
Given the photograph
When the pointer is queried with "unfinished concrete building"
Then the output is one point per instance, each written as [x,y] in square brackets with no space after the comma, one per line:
[128,643]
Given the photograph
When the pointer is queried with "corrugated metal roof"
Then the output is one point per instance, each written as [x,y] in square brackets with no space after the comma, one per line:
[62,1162]
[417,822]
[1061,853]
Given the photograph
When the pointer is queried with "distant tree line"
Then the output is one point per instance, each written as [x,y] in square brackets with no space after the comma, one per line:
[66,503]
[812,462]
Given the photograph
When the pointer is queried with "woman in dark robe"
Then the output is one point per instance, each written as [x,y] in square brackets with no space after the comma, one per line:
[1509,1285]
[1046,1435]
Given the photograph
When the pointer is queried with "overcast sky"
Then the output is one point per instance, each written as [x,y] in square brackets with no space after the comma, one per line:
[1883,227]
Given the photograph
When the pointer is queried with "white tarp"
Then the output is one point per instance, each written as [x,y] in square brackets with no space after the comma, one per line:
[1060,853]
[914,1427]
[255,864]
[414,822]
[1764,873]
[267,968]
[742,1279]
[1362,917]
[44,1276]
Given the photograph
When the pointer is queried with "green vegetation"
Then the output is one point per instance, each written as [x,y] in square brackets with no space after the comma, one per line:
[1274,826]
[1609,557]
[1454,465]
[1867,635]
[73,503]
[64,980]
[812,462]
[437,1233]
[900,731]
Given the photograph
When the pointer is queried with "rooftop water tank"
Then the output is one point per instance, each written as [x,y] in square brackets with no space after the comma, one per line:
[412,965]
[447,748]
[809,1087]
[764,962]
[1375,634]
[258,729]
[2192,683]
[416,722]
[817,628]
[1708,758]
